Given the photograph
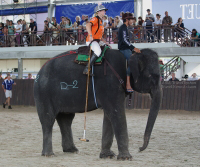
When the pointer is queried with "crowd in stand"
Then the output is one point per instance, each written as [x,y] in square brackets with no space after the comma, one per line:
[151,29]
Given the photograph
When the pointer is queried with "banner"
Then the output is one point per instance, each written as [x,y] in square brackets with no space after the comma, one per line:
[188,10]
[114,9]
[21,11]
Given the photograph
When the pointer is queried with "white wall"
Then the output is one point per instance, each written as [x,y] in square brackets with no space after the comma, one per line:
[7,65]
[29,65]
[191,68]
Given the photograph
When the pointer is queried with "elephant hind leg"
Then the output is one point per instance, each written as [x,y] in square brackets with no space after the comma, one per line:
[47,122]
[64,122]
[107,139]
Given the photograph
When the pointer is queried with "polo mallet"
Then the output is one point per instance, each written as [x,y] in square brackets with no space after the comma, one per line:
[86,103]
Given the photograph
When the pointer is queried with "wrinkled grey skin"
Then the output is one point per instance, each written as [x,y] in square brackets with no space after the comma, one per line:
[145,78]
[55,103]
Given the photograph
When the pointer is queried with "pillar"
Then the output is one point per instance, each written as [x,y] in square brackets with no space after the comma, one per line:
[20,68]
[51,9]
[138,4]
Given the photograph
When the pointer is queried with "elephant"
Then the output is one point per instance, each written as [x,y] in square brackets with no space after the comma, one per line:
[60,88]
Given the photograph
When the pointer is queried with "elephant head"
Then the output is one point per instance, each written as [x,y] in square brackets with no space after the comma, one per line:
[145,78]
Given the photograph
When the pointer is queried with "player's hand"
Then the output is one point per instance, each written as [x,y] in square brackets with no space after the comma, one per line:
[136,50]
[108,45]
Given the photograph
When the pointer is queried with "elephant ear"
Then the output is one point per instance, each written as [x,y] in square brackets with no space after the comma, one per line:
[134,66]
[144,63]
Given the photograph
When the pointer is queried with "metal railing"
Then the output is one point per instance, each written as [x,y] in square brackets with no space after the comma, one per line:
[171,66]
[137,34]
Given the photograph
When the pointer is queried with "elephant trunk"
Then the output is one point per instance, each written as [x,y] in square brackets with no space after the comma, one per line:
[155,105]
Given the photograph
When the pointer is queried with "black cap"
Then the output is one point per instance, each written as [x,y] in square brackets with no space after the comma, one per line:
[45,21]
[148,10]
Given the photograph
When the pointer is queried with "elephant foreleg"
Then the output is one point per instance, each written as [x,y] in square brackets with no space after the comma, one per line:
[118,120]
[65,121]
[107,139]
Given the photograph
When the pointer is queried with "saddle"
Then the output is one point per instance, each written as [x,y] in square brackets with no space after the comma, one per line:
[83,54]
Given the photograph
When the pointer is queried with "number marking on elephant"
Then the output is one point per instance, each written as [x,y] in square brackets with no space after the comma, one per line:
[37,77]
[65,86]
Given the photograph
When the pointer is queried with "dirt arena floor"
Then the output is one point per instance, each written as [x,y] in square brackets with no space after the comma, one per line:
[175,140]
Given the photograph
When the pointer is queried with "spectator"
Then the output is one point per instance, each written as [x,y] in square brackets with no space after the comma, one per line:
[157,27]
[105,21]
[140,26]
[86,17]
[65,18]
[111,23]
[140,21]
[47,31]
[185,77]
[76,26]
[1,76]
[18,32]
[173,77]
[84,24]
[11,32]
[161,64]
[33,27]
[20,21]
[149,23]
[105,24]
[133,26]
[25,33]
[134,22]
[1,26]
[195,37]
[62,18]
[193,77]
[69,30]
[62,31]
[167,21]
[7,76]
[7,87]
[53,18]
[118,22]
[62,23]
[68,25]
[7,23]
[179,29]
[49,22]
[82,19]
[77,22]
[55,30]
[29,76]
[121,13]
[85,33]
[1,34]
[5,32]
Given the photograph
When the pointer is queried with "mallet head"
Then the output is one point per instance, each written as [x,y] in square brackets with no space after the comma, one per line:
[85,140]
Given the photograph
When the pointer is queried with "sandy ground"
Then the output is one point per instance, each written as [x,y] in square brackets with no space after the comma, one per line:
[175,140]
